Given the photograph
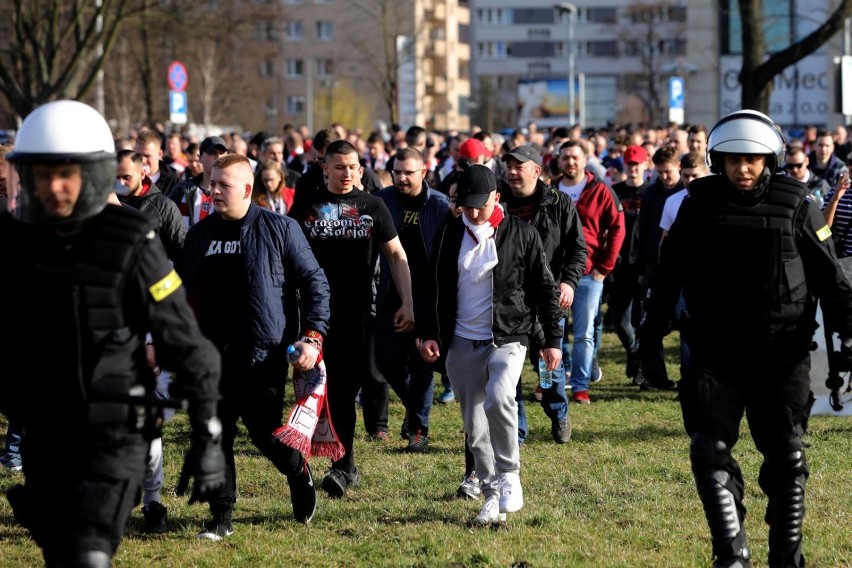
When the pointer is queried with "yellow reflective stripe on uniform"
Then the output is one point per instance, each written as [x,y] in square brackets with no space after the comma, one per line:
[162,289]
[824,233]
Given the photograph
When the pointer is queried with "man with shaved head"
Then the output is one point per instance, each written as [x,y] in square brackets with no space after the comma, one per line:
[243,265]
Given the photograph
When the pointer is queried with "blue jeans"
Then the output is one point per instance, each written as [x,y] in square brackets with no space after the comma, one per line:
[587,301]
[400,363]
[554,401]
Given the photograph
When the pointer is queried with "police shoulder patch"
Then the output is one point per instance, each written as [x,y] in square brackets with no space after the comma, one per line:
[162,289]
[824,233]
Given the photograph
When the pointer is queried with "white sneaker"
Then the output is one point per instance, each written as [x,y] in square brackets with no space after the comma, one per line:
[490,512]
[511,493]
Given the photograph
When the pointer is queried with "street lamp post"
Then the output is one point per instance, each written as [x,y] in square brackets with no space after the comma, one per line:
[571,10]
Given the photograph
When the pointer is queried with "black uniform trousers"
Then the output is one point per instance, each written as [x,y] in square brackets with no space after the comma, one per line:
[78,493]
[772,390]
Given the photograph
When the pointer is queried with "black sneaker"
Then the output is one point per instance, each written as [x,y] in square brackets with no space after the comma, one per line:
[639,378]
[665,386]
[561,430]
[303,494]
[337,481]
[218,528]
[634,365]
[418,443]
[156,518]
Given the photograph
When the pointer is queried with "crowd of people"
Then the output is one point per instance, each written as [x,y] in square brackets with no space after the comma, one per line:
[388,259]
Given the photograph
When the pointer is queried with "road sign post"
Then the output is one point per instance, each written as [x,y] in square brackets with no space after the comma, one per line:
[178,103]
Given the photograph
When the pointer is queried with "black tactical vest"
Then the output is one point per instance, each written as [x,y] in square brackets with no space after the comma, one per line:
[72,293]
[746,274]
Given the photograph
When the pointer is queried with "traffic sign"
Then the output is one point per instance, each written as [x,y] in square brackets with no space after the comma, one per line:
[677,86]
[178,77]
[177,107]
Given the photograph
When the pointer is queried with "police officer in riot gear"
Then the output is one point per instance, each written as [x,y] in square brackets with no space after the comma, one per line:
[83,284]
[750,254]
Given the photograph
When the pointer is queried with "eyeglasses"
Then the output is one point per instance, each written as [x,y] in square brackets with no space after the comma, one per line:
[791,166]
[406,173]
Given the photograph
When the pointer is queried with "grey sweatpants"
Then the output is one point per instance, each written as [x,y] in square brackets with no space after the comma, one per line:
[484,378]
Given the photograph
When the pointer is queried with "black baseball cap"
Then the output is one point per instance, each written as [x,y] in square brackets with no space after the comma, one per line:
[212,142]
[525,153]
[474,186]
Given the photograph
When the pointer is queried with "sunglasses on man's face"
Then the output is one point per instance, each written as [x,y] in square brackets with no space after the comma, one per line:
[791,166]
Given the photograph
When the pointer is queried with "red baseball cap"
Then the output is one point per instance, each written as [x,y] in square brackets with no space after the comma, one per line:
[472,149]
[635,154]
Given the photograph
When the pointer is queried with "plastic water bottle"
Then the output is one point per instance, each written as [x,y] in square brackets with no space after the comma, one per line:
[311,374]
[545,377]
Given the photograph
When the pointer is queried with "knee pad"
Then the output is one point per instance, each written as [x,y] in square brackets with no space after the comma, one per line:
[92,559]
[705,453]
[785,461]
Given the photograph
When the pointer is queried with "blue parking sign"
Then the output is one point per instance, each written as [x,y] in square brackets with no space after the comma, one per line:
[677,88]
[177,107]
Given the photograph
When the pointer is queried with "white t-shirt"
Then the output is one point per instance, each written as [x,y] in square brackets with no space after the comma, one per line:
[671,208]
[475,301]
[573,191]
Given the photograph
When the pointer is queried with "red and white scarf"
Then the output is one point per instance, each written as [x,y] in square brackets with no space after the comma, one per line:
[482,259]
[309,428]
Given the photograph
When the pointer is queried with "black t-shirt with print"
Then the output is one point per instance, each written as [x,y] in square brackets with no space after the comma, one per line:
[523,207]
[223,298]
[411,237]
[345,233]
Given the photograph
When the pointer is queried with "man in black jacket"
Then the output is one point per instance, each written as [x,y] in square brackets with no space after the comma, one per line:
[491,279]
[144,195]
[555,217]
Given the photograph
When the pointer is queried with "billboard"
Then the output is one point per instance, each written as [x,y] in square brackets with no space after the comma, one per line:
[800,93]
[545,102]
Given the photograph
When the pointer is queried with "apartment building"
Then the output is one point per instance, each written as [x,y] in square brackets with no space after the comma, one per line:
[624,53]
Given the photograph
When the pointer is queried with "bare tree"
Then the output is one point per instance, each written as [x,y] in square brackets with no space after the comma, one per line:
[54,49]
[758,70]
[386,16]
[653,38]
[490,107]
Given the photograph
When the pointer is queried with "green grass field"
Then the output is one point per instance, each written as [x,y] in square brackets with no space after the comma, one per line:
[619,494]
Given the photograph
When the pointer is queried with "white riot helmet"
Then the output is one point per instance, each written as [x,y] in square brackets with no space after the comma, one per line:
[745,132]
[63,132]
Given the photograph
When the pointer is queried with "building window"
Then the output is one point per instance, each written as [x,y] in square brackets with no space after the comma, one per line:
[266,31]
[295,104]
[491,49]
[601,15]
[295,68]
[325,30]
[494,16]
[294,31]
[267,68]
[604,48]
[677,13]
[325,67]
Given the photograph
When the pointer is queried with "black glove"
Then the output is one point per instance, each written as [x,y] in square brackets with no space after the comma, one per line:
[204,461]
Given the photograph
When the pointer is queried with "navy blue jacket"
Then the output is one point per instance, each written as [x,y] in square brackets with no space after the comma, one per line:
[279,262]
